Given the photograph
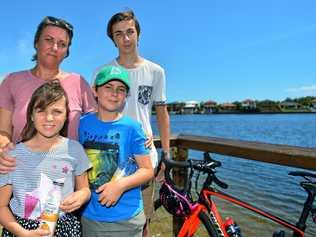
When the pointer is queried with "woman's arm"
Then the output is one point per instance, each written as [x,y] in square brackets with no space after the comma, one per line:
[5,125]
[7,164]
[81,195]
[112,191]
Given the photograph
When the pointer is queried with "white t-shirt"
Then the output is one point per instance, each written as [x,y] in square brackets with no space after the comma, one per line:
[148,88]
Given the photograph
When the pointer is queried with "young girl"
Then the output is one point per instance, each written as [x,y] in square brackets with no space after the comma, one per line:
[44,156]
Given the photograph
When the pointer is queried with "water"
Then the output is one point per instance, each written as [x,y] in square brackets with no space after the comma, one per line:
[265,185]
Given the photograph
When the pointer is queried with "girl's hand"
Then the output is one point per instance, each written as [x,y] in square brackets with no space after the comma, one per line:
[110,193]
[75,200]
[34,233]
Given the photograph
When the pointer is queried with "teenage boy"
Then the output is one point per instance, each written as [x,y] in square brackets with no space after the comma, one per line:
[113,143]
[147,89]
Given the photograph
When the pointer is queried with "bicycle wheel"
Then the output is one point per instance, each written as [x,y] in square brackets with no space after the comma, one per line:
[210,225]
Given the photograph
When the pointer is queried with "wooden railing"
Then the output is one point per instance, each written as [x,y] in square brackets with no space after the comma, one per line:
[293,156]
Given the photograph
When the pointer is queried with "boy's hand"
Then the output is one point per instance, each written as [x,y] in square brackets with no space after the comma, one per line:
[110,193]
[7,163]
[74,201]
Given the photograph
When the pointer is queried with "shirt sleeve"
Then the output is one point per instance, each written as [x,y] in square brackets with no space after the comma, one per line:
[83,163]
[159,93]
[88,100]
[6,99]
[138,141]
[80,131]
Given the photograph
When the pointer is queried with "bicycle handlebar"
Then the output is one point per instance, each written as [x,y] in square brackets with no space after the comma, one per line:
[207,166]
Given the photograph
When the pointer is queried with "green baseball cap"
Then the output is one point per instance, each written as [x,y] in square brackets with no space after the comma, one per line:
[110,73]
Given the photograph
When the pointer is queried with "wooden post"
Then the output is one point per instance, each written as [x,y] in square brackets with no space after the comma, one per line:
[180,178]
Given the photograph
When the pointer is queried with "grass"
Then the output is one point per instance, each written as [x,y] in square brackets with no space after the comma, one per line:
[161,224]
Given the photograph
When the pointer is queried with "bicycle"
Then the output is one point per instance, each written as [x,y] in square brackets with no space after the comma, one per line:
[179,202]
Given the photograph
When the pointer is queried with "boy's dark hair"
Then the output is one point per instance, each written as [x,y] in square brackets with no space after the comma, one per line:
[52,21]
[122,16]
[42,97]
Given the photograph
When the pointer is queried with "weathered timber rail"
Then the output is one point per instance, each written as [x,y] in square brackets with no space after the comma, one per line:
[292,156]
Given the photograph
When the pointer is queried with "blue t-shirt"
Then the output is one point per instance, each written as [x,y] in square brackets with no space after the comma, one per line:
[110,145]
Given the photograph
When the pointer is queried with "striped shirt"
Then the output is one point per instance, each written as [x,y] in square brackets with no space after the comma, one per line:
[36,171]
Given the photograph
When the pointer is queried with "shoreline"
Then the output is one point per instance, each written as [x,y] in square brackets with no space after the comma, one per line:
[243,113]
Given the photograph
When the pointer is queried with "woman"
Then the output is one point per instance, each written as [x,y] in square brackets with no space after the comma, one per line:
[51,42]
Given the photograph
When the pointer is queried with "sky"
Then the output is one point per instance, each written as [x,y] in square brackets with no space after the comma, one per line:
[220,50]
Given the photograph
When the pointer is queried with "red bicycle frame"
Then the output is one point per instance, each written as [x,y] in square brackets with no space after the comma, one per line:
[192,222]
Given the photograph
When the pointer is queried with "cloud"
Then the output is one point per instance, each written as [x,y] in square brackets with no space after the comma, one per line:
[303,90]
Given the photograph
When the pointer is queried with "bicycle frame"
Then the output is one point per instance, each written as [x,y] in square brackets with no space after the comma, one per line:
[192,222]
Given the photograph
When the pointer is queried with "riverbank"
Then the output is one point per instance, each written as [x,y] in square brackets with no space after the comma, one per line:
[246,113]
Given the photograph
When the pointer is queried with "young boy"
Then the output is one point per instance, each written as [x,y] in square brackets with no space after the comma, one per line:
[113,141]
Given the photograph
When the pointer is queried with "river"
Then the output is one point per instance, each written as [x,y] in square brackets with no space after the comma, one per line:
[267,186]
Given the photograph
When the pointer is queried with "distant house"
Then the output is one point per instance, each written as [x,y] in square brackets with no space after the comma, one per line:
[228,107]
[190,107]
[314,104]
[268,106]
[248,104]
[209,106]
[175,107]
[288,104]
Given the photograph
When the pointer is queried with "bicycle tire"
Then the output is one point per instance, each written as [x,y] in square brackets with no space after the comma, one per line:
[209,224]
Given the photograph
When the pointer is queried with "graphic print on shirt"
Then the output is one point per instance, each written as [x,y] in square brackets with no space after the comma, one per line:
[144,94]
[104,156]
